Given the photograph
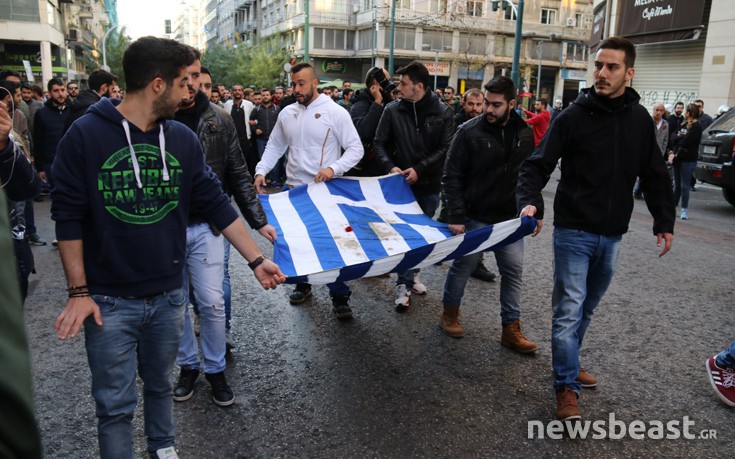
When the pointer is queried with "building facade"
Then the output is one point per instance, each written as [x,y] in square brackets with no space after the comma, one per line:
[56,39]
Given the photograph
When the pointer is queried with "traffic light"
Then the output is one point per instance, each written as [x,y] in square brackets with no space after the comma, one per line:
[495,5]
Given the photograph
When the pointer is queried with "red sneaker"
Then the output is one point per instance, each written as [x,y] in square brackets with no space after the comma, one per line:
[723,381]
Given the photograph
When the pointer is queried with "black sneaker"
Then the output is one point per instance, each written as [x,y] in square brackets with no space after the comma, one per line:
[185,387]
[35,239]
[482,273]
[221,393]
[341,307]
[300,294]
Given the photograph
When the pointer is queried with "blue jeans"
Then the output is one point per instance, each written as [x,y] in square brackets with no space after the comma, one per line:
[142,334]
[205,255]
[584,264]
[227,286]
[726,358]
[510,266]
[428,203]
[683,182]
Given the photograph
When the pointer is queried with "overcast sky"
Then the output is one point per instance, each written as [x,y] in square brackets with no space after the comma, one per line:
[146,17]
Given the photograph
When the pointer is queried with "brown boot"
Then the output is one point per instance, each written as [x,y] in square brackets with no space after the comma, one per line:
[513,338]
[449,322]
[566,405]
[585,379]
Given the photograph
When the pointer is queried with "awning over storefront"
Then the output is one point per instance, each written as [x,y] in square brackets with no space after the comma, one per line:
[656,21]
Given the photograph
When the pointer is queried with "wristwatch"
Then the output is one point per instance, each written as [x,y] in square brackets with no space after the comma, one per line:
[255,263]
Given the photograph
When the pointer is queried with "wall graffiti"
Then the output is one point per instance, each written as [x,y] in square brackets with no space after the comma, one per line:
[648,98]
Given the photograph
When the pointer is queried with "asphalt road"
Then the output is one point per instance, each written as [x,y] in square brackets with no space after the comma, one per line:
[390,385]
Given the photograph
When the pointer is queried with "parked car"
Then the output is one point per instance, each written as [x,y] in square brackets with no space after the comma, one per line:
[716,152]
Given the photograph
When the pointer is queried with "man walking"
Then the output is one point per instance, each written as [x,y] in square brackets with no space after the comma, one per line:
[412,139]
[662,139]
[126,180]
[315,131]
[240,108]
[100,85]
[605,140]
[262,121]
[48,127]
[539,121]
[207,253]
[479,186]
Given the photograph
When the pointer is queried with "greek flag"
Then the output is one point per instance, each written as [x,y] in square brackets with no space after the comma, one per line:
[353,227]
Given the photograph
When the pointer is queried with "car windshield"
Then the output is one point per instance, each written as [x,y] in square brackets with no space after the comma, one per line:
[725,123]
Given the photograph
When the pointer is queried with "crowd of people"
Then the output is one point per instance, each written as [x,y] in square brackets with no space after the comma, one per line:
[129,179]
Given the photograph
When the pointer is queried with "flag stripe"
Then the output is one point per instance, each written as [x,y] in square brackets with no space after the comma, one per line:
[328,253]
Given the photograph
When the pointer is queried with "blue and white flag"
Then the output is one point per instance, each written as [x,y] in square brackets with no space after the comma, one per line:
[353,227]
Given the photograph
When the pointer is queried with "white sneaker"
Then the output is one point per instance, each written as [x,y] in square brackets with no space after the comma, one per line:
[403,298]
[418,287]
[167,453]
[197,325]
[229,341]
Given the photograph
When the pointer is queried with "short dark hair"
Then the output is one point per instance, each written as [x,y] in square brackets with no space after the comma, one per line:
[699,101]
[471,92]
[100,77]
[206,70]
[214,89]
[621,44]
[301,66]
[197,54]
[416,72]
[10,86]
[265,89]
[72,82]
[502,85]
[544,102]
[4,74]
[369,78]
[37,90]
[26,86]
[679,103]
[54,82]
[256,93]
[449,87]
[149,58]
[346,92]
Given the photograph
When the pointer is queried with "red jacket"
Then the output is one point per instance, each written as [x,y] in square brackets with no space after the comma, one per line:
[540,123]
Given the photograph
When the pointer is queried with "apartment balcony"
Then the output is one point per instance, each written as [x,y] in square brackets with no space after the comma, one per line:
[80,38]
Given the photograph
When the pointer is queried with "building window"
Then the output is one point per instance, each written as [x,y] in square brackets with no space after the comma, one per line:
[405,37]
[437,39]
[510,14]
[438,6]
[20,10]
[334,39]
[548,16]
[474,8]
[403,4]
[366,39]
[470,43]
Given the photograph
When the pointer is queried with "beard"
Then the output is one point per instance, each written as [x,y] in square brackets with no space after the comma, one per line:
[307,98]
[502,119]
[164,108]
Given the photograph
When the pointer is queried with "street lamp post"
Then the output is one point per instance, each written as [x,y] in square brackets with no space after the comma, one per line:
[518,10]
[106,67]
[436,67]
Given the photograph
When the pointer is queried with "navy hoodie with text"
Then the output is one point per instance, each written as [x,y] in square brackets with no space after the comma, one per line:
[131,211]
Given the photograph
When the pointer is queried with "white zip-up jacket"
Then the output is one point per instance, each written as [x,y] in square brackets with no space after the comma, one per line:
[315,136]
[247,109]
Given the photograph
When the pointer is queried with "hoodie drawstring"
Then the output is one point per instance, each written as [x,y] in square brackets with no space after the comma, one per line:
[134,157]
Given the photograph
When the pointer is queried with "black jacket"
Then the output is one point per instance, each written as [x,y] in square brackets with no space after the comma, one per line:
[416,135]
[216,131]
[686,142]
[366,113]
[604,145]
[266,118]
[48,128]
[79,106]
[480,176]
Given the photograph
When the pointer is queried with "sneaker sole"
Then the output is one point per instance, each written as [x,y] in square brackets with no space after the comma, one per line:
[306,297]
[37,244]
[225,403]
[184,398]
[419,292]
[576,417]
[342,315]
[714,386]
[453,335]
[588,386]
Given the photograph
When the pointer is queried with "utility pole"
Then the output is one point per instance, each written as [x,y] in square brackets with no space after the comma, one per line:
[106,67]
[306,31]
[515,71]
[392,36]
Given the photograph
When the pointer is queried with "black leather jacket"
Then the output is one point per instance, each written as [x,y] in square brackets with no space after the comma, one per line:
[221,146]
[416,135]
[480,175]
